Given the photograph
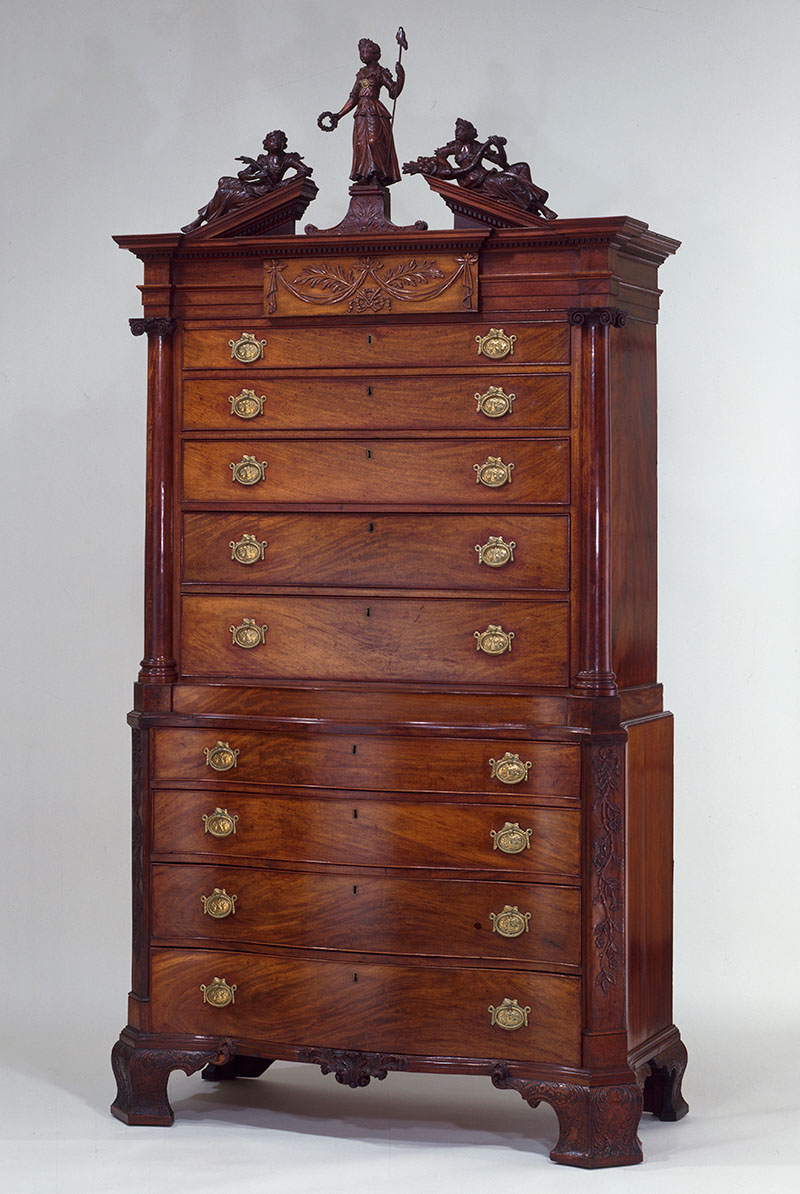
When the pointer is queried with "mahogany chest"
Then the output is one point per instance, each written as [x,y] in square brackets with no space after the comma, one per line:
[402,793]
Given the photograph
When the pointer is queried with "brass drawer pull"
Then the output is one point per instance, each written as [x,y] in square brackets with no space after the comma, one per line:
[248,634]
[219,993]
[492,473]
[495,344]
[220,757]
[510,922]
[247,349]
[511,839]
[220,823]
[493,640]
[248,471]
[248,550]
[247,405]
[510,769]
[495,403]
[509,1015]
[219,905]
[495,552]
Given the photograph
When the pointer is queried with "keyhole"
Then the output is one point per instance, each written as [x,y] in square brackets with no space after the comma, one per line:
[369,454]
[368,612]
[355,814]
[355,889]
[355,976]
[355,750]
[369,339]
[369,391]
[371,527]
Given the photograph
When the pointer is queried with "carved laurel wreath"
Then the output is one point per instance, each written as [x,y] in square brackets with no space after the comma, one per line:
[370,286]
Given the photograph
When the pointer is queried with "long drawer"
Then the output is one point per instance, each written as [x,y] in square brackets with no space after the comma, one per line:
[478,551]
[371,470]
[444,917]
[465,401]
[378,346]
[356,831]
[432,639]
[375,1007]
[370,762]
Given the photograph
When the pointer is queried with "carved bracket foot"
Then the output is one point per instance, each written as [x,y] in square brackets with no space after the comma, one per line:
[142,1076]
[369,211]
[597,1124]
[239,1066]
[661,1079]
[352,1068]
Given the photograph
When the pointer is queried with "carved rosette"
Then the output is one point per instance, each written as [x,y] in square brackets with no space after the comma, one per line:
[153,327]
[352,1068]
[597,1125]
[607,863]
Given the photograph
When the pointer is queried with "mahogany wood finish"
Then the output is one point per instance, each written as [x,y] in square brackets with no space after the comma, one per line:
[341,777]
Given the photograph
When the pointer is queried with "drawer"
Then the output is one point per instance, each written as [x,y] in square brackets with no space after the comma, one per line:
[380,638]
[379,402]
[395,550]
[356,831]
[425,346]
[363,761]
[375,1007]
[521,471]
[440,917]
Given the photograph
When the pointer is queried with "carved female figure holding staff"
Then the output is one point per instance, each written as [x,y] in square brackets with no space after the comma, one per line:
[374,157]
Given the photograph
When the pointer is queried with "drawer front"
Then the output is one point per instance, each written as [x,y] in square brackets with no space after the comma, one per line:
[396,550]
[444,917]
[391,471]
[430,346]
[360,832]
[381,638]
[364,761]
[387,1009]
[390,403]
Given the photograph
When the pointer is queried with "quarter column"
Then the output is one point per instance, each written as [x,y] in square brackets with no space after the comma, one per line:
[158,665]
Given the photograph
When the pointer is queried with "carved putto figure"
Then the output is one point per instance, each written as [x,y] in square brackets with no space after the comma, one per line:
[512,183]
[259,177]
[374,157]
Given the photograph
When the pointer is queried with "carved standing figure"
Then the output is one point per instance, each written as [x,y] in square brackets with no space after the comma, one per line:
[374,157]
[259,177]
[510,184]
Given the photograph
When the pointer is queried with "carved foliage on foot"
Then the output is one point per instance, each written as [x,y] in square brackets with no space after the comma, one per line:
[142,1075]
[597,1125]
[661,1079]
[352,1068]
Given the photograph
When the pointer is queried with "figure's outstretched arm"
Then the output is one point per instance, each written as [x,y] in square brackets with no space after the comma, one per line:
[394,86]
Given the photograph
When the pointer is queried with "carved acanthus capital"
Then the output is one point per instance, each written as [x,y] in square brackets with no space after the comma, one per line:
[605,316]
[153,327]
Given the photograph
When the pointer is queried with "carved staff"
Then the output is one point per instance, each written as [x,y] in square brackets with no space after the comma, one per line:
[400,38]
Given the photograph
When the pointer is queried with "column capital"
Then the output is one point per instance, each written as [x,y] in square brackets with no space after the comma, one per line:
[605,316]
[158,326]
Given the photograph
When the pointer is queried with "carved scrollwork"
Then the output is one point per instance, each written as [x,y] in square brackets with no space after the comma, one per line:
[352,1068]
[152,327]
[605,316]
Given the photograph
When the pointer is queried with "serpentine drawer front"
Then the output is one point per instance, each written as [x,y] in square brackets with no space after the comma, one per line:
[383,1008]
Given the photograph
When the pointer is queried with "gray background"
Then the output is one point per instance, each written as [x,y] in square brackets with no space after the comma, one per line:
[119,119]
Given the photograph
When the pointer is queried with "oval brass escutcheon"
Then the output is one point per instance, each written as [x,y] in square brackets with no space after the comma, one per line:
[248,634]
[511,839]
[247,405]
[495,403]
[510,769]
[219,993]
[220,757]
[493,640]
[495,344]
[492,472]
[495,552]
[248,549]
[220,823]
[509,1015]
[219,904]
[247,349]
[510,922]
[248,471]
